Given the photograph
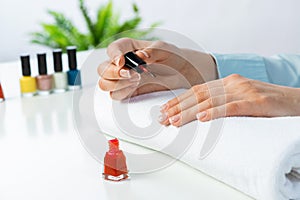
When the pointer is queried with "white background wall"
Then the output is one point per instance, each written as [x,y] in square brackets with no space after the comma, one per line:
[261,26]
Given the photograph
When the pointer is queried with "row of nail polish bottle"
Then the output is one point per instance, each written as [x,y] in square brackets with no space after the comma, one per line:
[44,83]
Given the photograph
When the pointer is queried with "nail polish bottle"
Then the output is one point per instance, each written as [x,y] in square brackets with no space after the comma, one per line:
[27,82]
[44,81]
[74,77]
[60,79]
[132,61]
[1,94]
[115,168]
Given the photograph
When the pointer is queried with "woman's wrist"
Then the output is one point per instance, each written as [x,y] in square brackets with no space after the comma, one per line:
[200,67]
[295,94]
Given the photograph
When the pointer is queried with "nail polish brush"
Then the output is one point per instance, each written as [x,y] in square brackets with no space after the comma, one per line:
[132,61]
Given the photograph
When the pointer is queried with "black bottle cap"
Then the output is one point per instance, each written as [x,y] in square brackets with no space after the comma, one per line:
[42,64]
[132,61]
[57,60]
[25,62]
[72,60]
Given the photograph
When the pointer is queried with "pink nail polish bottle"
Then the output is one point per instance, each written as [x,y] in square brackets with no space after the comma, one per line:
[44,81]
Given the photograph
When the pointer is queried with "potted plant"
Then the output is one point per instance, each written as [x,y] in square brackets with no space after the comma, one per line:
[100,31]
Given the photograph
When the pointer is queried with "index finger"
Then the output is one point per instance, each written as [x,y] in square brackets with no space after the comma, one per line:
[203,89]
[118,48]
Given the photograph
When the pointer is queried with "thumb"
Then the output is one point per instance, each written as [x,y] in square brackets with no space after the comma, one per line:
[118,48]
[157,51]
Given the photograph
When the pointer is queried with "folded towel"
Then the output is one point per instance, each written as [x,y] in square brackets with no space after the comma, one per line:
[258,156]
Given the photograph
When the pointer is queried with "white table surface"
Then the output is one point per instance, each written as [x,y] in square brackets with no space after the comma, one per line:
[41,157]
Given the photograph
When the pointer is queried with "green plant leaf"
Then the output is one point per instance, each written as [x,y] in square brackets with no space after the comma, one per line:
[68,30]
[56,35]
[104,15]
[155,24]
[104,29]
[88,20]
[43,39]
[135,8]
[130,24]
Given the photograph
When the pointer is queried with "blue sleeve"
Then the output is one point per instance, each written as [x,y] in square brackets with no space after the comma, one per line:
[279,69]
[284,69]
[248,65]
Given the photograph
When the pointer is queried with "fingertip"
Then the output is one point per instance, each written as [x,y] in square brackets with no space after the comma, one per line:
[143,54]
[103,67]
[111,94]
[203,120]
[175,120]
[117,60]
[202,116]
[124,73]
[121,61]
[176,124]
[167,124]
[162,118]
[100,85]
[164,107]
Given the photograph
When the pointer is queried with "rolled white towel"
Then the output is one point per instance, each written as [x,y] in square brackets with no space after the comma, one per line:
[258,156]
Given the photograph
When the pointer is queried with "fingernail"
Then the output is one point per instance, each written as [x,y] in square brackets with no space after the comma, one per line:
[145,53]
[174,119]
[164,107]
[125,73]
[163,117]
[201,115]
[135,78]
[117,60]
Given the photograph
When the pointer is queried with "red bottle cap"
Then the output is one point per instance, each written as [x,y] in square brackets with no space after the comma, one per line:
[1,94]
[113,144]
[115,168]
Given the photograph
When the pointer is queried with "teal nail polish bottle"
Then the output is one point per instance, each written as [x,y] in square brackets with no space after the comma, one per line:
[74,76]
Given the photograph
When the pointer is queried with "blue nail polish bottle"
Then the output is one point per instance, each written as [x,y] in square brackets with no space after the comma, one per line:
[74,77]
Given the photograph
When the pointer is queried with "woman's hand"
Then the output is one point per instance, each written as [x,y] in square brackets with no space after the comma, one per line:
[231,96]
[173,67]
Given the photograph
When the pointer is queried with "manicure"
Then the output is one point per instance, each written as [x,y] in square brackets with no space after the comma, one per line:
[201,115]
[174,119]
[117,60]
[125,73]
[163,117]
[164,107]
[144,53]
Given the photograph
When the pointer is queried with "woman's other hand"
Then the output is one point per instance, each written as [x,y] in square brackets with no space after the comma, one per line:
[231,96]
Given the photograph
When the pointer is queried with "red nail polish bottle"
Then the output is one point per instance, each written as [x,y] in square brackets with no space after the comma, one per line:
[115,168]
[1,94]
